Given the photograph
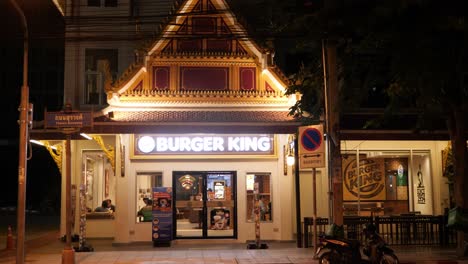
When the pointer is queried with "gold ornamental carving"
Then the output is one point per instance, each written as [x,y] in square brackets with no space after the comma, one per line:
[56,152]
[109,150]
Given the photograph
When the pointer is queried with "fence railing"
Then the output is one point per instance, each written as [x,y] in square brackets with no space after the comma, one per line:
[396,230]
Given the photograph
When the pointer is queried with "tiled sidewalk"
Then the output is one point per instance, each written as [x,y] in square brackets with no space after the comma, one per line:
[48,249]
[208,256]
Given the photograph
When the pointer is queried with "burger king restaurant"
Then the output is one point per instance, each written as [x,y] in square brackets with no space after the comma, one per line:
[214,181]
[203,139]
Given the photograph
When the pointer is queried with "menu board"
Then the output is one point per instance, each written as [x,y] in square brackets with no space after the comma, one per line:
[162,216]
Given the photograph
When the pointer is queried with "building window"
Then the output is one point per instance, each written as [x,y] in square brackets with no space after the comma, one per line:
[258,188]
[145,181]
[110,3]
[386,182]
[94,2]
[95,72]
[105,3]
[98,179]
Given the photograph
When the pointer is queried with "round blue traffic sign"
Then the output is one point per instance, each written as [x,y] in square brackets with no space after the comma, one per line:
[311,139]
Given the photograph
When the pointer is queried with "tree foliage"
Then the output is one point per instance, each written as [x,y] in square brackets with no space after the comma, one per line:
[410,55]
[396,55]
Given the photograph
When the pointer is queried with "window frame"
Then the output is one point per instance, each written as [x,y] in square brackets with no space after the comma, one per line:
[155,181]
[259,189]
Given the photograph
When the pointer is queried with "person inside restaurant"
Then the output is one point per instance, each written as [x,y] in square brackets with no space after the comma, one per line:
[104,208]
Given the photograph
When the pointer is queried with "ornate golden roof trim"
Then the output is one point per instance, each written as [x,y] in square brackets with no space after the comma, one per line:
[185,101]
[182,61]
[124,78]
[210,55]
[203,95]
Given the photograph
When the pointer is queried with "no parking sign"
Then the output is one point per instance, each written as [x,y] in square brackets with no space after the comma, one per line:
[311,147]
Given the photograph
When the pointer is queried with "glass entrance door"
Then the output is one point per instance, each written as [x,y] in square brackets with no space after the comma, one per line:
[205,204]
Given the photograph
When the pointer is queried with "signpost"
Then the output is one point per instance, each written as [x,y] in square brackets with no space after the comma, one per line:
[311,155]
[69,122]
[311,147]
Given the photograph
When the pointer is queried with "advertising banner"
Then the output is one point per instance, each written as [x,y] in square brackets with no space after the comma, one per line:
[376,179]
[162,216]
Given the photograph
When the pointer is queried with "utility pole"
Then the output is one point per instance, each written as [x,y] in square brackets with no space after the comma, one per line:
[24,121]
[331,127]
[329,57]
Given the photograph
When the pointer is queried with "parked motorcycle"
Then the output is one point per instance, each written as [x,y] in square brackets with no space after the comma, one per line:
[343,251]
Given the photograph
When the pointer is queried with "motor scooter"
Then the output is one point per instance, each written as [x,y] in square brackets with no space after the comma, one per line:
[343,251]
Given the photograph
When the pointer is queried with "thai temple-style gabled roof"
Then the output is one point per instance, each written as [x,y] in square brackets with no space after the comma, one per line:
[202,74]
[202,68]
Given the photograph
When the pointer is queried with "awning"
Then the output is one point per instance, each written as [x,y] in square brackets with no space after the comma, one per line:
[223,122]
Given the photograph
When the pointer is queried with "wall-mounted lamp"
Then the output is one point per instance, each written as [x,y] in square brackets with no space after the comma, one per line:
[290,158]
[288,155]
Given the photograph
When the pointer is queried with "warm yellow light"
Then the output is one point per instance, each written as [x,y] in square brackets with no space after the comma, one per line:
[36,142]
[86,136]
[40,143]
[290,160]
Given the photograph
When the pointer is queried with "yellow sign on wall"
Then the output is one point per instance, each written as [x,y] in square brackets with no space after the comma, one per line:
[368,184]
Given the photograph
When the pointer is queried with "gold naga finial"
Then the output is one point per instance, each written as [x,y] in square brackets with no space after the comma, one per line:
[55,152]
[107,76]
[109,151]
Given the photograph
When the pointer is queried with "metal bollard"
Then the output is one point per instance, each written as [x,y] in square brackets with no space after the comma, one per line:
[10,242]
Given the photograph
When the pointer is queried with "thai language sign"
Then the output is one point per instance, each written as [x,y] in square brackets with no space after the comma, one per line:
[68,119]
[311,147]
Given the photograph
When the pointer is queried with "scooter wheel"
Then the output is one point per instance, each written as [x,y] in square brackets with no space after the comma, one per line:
[329,258]
[389,259]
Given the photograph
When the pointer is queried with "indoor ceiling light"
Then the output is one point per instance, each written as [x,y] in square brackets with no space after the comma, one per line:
[86,136]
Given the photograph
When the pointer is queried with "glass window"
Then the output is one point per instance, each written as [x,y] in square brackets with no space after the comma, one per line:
[99,63]
[106,3]
[258,188]
[110,3]
[386,182]
[98,179]
[94,2]
[145,181]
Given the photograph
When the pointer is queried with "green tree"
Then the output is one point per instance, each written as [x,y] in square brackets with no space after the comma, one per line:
[414,53]
[403,55]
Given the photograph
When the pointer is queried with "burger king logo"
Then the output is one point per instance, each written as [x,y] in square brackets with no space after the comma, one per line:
[370,181]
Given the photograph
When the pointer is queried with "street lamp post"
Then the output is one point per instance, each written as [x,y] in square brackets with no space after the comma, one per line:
[23,135]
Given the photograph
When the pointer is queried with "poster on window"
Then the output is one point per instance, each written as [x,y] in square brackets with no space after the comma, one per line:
[219,190]
[368,184]
[397,177]
[162,216]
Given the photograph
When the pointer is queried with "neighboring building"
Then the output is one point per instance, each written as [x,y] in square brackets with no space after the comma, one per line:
[202,111]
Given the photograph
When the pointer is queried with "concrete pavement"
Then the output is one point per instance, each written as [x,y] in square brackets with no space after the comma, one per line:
[48,248]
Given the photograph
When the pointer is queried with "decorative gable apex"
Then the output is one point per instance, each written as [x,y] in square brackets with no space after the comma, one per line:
[203,57]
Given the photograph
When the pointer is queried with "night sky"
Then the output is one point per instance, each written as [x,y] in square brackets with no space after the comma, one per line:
[45,83]
[46,80]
